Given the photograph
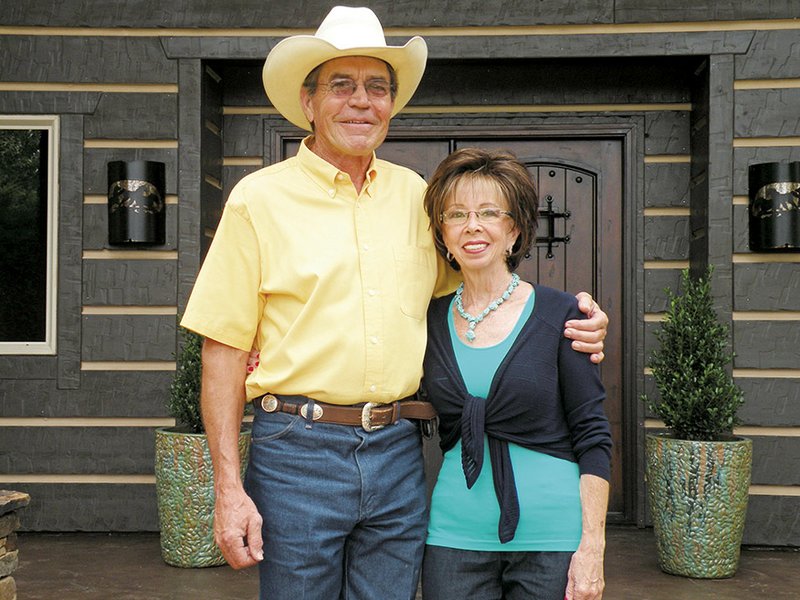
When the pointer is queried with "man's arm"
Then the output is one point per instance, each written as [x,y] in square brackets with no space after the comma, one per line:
[237,524]
[588,334]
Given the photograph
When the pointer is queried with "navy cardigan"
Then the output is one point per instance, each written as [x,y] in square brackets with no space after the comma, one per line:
[545,396]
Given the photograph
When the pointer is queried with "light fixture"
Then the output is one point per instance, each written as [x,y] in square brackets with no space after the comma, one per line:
[136,198]
[774,220]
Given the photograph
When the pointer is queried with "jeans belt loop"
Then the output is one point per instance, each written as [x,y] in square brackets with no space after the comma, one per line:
[311,412]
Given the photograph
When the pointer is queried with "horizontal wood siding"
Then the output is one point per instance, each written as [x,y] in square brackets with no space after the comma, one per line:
[666,185]
[89,506]
[638,11]
[776,460]
[666,238]
[128,337]
[84,59]
[767,287]
[772,521]
[771,402]
[239,13]
[772,55]
[134,116]
[767,344]
[102,394]
[129,282]
[77,450]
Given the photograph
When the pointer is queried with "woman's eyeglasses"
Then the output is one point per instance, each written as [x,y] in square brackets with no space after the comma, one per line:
[486,216]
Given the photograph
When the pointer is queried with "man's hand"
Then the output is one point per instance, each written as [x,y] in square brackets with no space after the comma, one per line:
[237,529]
[588,334]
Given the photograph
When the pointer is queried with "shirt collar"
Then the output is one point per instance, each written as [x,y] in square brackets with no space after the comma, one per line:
[326,175]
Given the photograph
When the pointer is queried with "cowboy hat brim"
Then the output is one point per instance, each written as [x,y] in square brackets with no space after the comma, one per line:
[293,58]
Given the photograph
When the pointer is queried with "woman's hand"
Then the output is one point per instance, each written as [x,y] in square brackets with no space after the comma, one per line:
[252,360]
[585,580]
[588,334]
[585,576]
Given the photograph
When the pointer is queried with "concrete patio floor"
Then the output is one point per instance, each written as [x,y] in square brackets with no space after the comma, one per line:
[84,566]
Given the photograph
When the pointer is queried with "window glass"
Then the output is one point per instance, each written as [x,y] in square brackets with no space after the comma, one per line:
[26,244]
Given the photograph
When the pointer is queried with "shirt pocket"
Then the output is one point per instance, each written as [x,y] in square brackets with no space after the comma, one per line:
[415,269]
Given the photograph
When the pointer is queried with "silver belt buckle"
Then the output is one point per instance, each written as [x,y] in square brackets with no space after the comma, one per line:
[317,412]
[366,417]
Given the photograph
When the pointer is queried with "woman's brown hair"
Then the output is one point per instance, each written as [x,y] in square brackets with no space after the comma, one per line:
[512,180]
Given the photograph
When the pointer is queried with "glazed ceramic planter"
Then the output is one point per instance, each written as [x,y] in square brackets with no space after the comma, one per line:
[698,499]
[185,489]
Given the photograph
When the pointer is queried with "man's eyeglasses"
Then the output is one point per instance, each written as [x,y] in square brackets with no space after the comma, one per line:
[457,216]
[344,88]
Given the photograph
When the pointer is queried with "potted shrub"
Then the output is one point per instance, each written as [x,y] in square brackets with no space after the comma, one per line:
[184,475]
[698,475]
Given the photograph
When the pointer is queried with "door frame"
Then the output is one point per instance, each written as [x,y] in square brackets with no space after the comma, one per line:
[629,129]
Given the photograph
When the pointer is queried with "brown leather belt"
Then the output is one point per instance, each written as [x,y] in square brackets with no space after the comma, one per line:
[371,415]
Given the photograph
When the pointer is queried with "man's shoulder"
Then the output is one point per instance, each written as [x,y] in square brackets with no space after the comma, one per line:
[399,171]
[275,170]
[258,180]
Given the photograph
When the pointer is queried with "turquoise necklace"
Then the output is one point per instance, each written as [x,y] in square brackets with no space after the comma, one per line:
[472,322]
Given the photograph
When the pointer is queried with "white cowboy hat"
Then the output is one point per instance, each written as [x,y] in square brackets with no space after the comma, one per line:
[345,31]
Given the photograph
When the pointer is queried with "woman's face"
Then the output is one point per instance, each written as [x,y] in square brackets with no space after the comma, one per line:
[478,244]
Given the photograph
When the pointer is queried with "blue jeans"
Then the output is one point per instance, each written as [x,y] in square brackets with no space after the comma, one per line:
[344,510]
[452,574]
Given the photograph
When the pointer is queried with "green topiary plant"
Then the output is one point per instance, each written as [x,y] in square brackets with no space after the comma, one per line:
[697,397]
[184,393]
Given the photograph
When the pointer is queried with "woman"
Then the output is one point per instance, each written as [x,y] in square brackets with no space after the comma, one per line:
[519,507]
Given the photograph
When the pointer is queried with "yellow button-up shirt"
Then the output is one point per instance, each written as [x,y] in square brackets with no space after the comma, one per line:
[331,285]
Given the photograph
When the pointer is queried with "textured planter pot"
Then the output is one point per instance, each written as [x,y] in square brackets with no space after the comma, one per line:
[185,489]
[698,498]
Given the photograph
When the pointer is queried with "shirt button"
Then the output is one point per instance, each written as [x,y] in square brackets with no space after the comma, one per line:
[372,388]
[331,193]
[374,339]
[372,292]
[365,247]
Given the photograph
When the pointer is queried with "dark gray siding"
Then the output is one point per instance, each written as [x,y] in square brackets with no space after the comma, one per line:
[766,345]
[196,103]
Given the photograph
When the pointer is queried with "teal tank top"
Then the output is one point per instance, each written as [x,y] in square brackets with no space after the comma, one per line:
[548,488]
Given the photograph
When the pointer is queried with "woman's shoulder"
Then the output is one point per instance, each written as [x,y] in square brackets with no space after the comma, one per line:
[552,304]
[554,296]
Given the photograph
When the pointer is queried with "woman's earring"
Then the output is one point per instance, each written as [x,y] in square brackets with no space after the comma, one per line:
[509,250]
[449,256]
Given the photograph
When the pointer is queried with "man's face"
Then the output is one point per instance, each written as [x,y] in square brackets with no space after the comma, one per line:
[349,125]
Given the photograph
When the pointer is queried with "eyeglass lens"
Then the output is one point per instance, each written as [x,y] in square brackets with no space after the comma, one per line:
[344,88]
[485,215]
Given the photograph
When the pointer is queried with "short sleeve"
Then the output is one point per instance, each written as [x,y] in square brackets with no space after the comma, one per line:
[225,304]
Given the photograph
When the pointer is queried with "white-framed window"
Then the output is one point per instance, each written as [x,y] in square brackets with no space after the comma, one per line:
[28,233]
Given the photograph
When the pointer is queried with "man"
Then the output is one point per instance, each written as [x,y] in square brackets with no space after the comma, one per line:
[325,262]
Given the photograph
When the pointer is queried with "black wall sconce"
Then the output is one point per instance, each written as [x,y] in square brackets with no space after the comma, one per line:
[774,220]
[136,199]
